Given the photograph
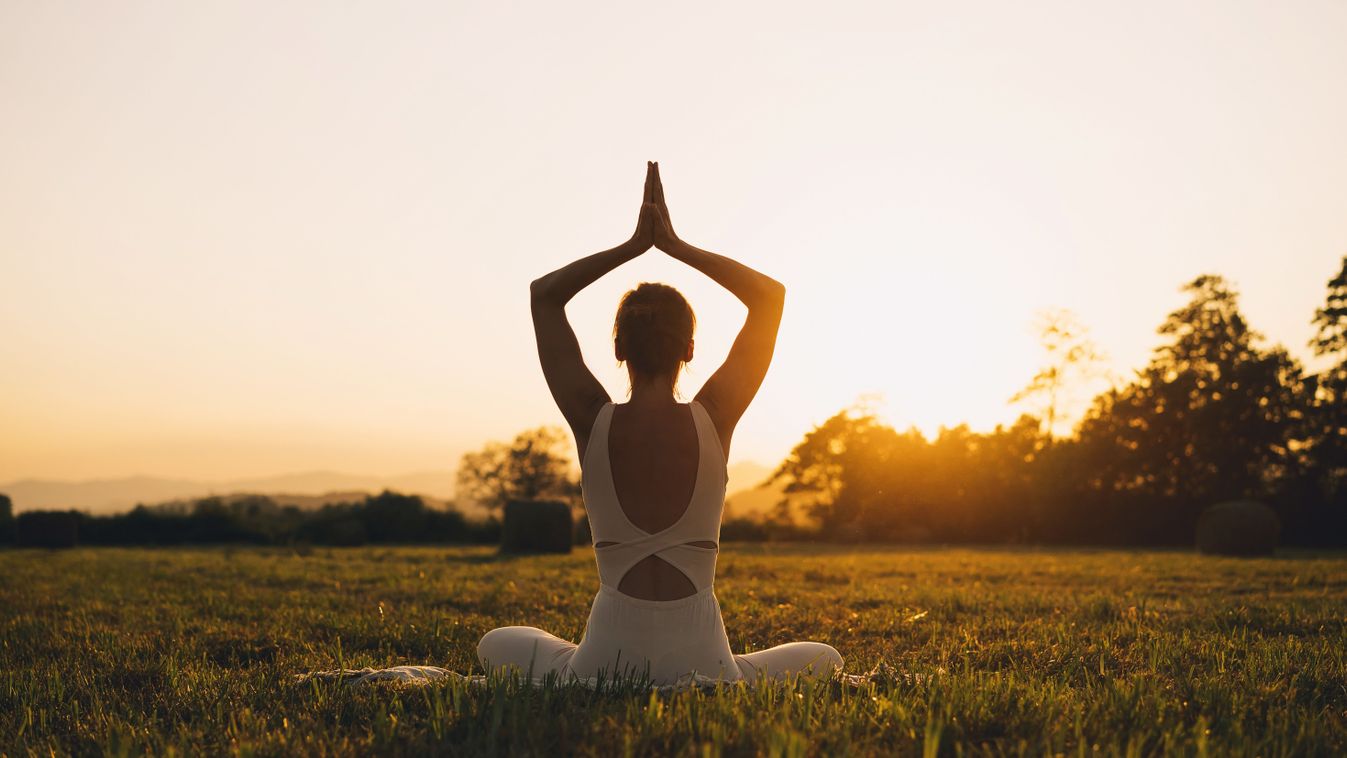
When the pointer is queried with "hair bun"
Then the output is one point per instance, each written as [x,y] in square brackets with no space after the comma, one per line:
[653,328]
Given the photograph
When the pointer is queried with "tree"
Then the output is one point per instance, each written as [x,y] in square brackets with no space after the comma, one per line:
[1331,319]
[1212,417]
[857,478]
[1326,434]
[1072,359]
[6,519]
[839,475]
[534,466]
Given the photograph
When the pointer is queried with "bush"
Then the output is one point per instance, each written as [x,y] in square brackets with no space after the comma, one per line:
[346,532]
[1240,527]
[52,529]
[484,531]
[743,530]
[536,526]
[6,520]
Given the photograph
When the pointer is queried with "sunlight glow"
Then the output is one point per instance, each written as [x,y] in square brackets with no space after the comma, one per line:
[316,255]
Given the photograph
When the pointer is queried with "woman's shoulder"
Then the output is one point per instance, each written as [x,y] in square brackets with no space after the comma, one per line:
[586,428]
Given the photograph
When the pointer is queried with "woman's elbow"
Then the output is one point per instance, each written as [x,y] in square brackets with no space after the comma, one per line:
[539,291]
[774,293]
[768,298]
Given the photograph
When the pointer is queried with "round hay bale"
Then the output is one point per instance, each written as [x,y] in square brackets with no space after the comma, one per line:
[1238,527]
[536,526]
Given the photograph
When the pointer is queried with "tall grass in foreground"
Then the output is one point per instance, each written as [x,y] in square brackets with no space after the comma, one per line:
[981,651]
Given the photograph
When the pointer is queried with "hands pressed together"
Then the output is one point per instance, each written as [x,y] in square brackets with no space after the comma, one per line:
[653,227]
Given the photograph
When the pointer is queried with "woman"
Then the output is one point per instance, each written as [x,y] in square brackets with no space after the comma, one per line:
[653,473]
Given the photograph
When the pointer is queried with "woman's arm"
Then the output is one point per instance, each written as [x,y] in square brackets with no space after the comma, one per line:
[576,392]
[727,394]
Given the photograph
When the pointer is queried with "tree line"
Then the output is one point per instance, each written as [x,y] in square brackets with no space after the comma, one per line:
[1215,415]
[386,518]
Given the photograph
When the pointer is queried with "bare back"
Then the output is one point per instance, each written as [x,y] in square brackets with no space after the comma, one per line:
[653,454]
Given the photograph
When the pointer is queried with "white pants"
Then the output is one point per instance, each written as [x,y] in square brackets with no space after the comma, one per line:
[668,641]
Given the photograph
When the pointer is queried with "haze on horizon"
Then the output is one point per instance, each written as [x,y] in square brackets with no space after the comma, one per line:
[242,239]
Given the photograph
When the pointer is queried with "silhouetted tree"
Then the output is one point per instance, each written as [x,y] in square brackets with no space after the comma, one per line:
[1326,427]
[854,477]
[1072,359]
[991,483]
[1331,320]
[838,471]
[257,519]
[532,467]
[1212,417]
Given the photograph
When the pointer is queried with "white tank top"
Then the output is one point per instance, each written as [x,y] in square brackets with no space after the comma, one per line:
[699,523]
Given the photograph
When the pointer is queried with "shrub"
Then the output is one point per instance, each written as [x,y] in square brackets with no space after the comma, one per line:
[536,526]
[1240,527]
[743,530]
[47,529]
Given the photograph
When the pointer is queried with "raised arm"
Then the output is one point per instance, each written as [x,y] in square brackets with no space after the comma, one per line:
[576,392]
[727,394]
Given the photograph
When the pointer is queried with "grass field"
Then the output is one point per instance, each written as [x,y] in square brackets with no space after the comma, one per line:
[987,652]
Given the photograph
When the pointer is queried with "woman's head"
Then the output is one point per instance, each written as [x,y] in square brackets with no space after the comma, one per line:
[653,331]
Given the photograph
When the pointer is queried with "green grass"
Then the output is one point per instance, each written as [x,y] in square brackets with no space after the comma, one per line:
[991,652]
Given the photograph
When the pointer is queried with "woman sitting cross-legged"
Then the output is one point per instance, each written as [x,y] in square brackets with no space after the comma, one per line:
[653,474]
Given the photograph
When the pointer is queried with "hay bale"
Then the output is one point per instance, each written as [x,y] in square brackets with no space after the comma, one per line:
[47,529]
[536,526]
[1238,527]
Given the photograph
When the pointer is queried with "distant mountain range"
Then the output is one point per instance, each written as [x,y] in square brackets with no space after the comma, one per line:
[745,497]
[102,496]
[113,495]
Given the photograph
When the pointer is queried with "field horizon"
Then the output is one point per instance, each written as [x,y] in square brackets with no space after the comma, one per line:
[111,495]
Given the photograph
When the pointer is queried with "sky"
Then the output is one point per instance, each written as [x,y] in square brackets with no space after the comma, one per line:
[242,239]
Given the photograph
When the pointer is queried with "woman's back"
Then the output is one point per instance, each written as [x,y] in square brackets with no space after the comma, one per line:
[654,485]
[653,454]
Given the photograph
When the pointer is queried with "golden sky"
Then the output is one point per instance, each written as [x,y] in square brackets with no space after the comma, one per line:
[240,239]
